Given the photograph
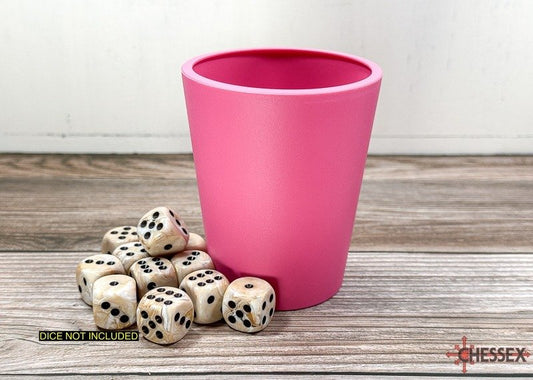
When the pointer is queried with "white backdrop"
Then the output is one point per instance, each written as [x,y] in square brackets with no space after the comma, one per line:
[103,75]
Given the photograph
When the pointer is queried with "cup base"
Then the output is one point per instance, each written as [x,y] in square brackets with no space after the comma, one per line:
[308,303]
[287,297]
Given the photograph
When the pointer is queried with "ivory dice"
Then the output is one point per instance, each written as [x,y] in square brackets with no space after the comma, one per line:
[165,315]
[162,232]
[196,242]
[91,269]
[206,289]
[118,236]
[129,253]
[114,302]
[152,272]
[249,304]
[190,261]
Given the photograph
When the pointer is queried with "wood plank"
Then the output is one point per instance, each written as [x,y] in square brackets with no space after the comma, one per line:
[181,166]
[397,312]
[232,376]
[164,166]
[427,204]
[73,214]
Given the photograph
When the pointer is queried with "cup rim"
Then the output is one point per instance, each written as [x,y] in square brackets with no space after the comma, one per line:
[187,70]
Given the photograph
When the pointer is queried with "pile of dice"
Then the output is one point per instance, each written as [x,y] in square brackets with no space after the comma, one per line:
[169,270]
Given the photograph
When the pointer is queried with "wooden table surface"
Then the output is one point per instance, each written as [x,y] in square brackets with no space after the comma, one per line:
[442,248]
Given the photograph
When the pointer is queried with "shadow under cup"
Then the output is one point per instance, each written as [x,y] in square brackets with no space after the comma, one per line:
[280,138]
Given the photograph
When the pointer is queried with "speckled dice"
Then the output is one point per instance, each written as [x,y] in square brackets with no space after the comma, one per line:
[91,269]
[190,261]
[118,236]
[206,289]
[114,302]
[129,253]
[162,232]
[152,272]
[249,304]
[164,315]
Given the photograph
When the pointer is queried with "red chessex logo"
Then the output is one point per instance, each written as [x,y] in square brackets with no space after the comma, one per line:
[469,354]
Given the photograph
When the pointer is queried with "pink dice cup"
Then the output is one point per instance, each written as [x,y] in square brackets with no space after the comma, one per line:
[280,139]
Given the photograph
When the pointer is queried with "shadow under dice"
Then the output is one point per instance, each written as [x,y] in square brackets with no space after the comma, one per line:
[162,232]
[249,304]
[190,261]
[152,272]
[114,302]
[91,269]
[129,253]
[164,315]
[206,289]
[118,236]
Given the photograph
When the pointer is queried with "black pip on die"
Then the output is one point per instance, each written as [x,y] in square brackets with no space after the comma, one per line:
[129,253]
[152,272]
[164,315]
[249,304]
[118,236]
[91,269]
[189,261]
[162,232]
[206,289]
[114,302]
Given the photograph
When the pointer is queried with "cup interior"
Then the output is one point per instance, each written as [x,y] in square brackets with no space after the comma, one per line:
[282,69]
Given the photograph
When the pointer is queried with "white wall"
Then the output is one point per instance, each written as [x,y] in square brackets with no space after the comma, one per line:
[103,75]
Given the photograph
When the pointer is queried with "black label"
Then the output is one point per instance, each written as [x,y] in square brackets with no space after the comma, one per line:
[79,336]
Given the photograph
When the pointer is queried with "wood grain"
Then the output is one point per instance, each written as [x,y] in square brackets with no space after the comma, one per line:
[181,166]
[161,166]
[441,248]
[426,204]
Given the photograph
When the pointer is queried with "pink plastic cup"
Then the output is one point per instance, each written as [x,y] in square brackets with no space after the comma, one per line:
[280,138]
